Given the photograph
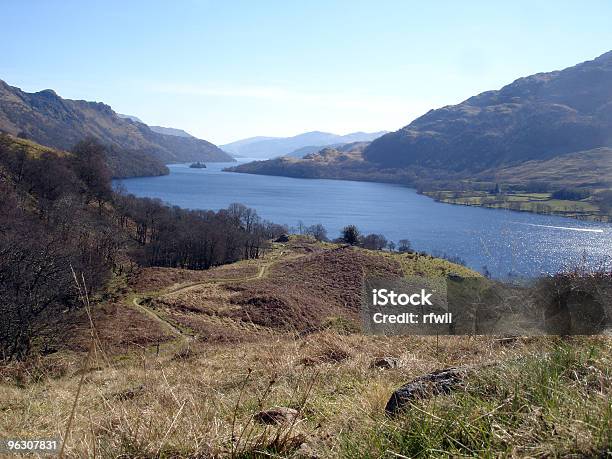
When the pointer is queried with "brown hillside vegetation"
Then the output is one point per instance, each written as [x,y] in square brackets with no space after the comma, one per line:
[298,287]
[303,293]
[182,368]
[585,168]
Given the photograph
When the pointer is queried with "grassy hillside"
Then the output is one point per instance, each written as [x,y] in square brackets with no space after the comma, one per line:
[591,168]
[343,162]
[32,149]
[184,360]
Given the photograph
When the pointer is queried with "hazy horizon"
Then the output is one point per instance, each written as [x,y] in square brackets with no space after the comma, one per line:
[225,72]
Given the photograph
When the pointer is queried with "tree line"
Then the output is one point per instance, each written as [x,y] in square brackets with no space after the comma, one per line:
[351,235]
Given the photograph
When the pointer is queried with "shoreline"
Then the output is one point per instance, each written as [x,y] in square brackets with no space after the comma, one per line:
[574,216]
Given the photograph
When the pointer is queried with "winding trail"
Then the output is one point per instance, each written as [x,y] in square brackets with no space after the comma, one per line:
[177,332]
[184,288]
[137,301]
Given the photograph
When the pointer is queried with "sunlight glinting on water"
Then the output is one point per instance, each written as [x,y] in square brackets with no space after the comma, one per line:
[503,242]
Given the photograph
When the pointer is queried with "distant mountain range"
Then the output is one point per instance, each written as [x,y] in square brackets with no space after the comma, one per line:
[51,120]
[538,118]
[271,147]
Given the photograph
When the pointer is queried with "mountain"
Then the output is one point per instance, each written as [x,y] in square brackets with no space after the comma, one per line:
[158,129]
[540,138]
[51,120]
[534,118]
[270,147]
[538,118]
[171,131]
[235,147]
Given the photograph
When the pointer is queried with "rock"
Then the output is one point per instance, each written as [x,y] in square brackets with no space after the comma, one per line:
[277,415]
[282,238]
[385,363]
[429,385]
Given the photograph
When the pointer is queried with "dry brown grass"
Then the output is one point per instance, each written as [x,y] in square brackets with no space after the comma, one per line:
[121,329]
[301,293]
[198,397]
[300,287]
[185,404]
[148,279]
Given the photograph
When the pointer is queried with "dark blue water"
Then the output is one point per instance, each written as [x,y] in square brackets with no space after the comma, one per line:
[506,242]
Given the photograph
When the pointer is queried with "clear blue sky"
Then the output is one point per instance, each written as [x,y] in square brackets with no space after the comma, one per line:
[224,70]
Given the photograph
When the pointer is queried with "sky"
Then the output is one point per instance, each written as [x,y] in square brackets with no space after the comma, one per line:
[225,70]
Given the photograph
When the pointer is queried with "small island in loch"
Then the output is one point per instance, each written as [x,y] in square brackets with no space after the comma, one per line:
[197,165]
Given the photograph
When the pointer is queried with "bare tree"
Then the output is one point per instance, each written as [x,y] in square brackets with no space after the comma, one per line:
[404,246]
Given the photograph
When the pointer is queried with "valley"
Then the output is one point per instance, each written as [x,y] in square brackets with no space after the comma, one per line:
[423,270]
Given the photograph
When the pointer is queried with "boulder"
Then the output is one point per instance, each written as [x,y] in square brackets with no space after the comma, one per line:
[429,385]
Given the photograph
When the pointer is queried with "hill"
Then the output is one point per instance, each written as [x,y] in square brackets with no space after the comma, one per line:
[181,355]
[270,147]
[170,131]
[303,151]
[591,168]
[51,120]
[299,286]
[343,162]
[538,117]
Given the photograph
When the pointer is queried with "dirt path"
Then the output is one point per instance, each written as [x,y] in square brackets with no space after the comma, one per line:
[137,301]
[185,288]
[180,334]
